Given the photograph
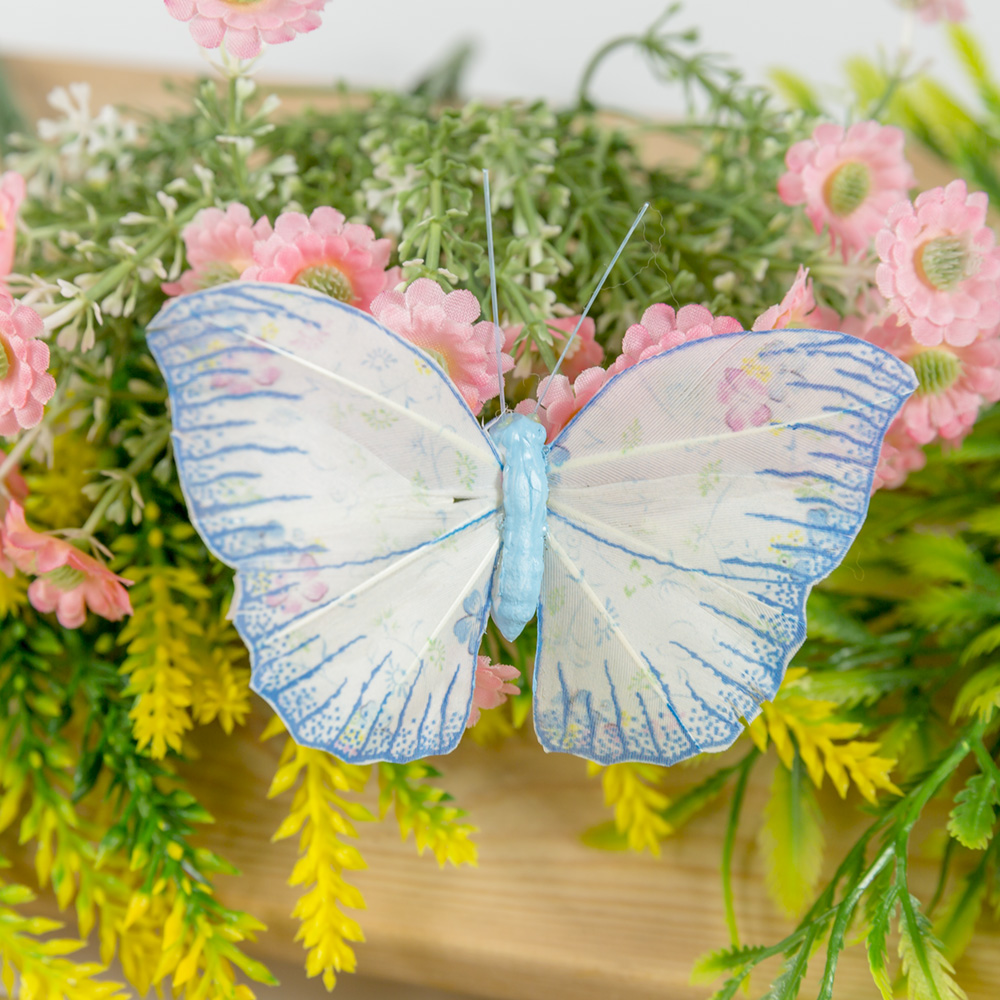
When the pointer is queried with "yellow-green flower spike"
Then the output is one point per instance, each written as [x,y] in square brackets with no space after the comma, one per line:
[944,262]
[847,187]
[326,279]
[937,371]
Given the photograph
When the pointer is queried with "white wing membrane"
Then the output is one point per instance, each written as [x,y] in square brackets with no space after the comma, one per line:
[338,470]
[693,503]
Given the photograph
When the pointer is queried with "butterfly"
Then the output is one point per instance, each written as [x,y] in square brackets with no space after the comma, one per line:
[375,524]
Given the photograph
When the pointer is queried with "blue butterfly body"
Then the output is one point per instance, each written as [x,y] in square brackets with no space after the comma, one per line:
[669,535]
[525,485]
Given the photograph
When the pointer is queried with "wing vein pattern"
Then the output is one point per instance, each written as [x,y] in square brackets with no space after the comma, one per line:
[693,504]
[338,470]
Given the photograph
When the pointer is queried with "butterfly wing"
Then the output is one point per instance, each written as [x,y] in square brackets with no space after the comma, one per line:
[337,469]
[693,504]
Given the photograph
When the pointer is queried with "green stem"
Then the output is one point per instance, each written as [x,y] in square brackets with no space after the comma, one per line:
[432,255]
[153,447]
[114,276]
[727,846]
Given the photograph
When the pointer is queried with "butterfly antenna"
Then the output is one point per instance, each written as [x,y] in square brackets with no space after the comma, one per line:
[583,316]
[497,336]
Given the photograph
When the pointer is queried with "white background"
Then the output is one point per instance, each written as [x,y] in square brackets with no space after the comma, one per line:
[525,48]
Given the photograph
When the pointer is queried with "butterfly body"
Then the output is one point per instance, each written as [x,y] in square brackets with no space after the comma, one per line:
[680,519]
[518,579]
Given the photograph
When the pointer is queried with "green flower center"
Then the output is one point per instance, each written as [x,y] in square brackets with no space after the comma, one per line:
[847,187]
[65,577]
[4,360]
[937,371]
[327,279]
[217,273]
[439,358]
[945,262]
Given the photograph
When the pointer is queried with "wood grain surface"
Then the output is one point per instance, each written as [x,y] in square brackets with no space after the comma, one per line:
[543,916]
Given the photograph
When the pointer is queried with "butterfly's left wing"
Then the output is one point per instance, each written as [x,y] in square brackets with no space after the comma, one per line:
[693,503]
[338,470]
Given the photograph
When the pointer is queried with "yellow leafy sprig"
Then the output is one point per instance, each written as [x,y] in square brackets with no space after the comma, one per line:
[183,666]
[630,789]
[793,721]
[426,811]
[33,969]
[322,814]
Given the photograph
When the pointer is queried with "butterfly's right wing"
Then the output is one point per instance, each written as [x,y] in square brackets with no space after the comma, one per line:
[693,503]
[336,468]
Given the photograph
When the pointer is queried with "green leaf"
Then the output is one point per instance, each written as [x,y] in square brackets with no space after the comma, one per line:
[798,92]
[935,557]
[695,799]
[866,79]
[792,838]
[980,694]
[929,975]
[982,645]
[971,821]
[875,942]
[715,963]
[957,921]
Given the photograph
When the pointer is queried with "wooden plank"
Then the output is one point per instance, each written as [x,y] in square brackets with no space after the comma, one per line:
[542,916]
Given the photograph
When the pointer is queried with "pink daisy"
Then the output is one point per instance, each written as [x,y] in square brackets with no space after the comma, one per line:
[492,687]
[219,247]
[246,24]
[847,181]
[564,401]
[796,311]
[341,259]
[661,328]
[955,382]
[900,456]
[12,192]
[68,581]
[584,352]
[25,384]
[940,268]
[442,325]
[936,10]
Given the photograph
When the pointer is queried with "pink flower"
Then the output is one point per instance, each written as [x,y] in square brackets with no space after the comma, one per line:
[341,259]
[583,353]
[797,310]
[940,269]
[661,328]
[11,195]
[245,24]
[847,181]
[219,247]
[936,10]
[900,456]
[491,687]
[564,401]
[25,384]
[68,581]
[442,326]
[955,382]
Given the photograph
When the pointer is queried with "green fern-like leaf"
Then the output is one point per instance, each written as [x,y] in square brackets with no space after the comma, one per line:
[714,964]
[980,694]
[929,975]
[878,932]
[957,921]
[971,821]
[792,838]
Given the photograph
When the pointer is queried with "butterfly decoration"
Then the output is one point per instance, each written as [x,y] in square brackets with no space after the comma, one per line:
[375,524]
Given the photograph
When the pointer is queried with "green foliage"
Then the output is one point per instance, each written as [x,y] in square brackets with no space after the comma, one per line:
[792,838]
[971,821]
